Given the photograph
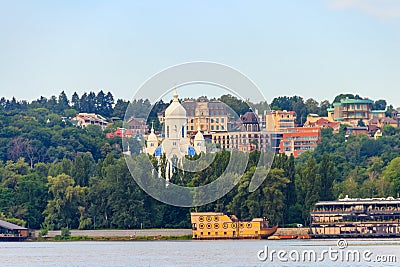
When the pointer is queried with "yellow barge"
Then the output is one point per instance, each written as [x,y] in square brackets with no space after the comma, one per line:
[217,225]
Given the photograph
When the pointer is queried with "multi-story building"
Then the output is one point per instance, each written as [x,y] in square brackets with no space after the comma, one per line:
[85,119]
[206,115]
[137,126]
[247,137]
[279,120]
[353,110]
[242,141]
[299,140]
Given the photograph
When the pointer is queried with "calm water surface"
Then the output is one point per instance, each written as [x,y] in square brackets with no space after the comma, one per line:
[193,253]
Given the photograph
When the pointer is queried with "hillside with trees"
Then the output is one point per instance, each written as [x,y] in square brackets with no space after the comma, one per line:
[54,174]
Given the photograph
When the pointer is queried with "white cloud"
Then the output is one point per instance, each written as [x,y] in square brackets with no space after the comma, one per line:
[387,9]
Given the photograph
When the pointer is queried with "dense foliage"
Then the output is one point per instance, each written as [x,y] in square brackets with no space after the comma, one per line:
[55,175]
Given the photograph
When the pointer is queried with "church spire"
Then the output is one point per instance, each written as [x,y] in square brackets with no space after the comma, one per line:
[175,95]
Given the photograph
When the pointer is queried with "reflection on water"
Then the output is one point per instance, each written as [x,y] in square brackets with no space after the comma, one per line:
[190,253]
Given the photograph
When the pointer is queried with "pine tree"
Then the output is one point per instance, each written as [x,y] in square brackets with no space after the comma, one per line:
[91,102]
[63,102]
[120,108]
[75,101]
[84,103]
[109,102]
[101,104]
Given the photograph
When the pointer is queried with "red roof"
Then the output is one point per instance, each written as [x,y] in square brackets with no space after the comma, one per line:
[120,133]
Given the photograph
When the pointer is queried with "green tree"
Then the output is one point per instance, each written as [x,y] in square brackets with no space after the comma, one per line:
[308,185]
[62,209]
[326,172]
[75,101]
[63,102]
[392,174]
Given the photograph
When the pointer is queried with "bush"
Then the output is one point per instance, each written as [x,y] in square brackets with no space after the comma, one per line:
[43,232]
[65,233]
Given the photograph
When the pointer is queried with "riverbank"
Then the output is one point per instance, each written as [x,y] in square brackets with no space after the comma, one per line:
[117,235]
[139,234]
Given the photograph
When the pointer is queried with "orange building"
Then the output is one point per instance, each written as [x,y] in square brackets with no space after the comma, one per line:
[299,140]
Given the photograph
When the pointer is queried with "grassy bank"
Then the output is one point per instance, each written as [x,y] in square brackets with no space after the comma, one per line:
[59,238]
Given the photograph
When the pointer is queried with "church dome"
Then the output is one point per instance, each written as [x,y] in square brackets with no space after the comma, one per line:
[199,136]
[175,109]
[152,136]
[249,117]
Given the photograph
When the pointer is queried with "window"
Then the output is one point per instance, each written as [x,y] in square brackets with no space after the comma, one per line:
[222,120]
[183,131]
[212,127]
[217,127]
[167,131]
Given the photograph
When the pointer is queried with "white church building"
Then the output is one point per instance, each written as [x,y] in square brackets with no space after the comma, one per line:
[175,144]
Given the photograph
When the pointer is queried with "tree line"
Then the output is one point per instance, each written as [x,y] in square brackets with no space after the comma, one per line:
[56,175]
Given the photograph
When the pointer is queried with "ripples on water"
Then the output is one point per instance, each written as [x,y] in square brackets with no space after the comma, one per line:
[182,253]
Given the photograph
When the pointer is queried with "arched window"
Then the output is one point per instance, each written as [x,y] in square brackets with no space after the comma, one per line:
[183,131]
[167,131]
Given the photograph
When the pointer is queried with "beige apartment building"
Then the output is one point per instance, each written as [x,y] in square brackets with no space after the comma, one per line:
[279,120]
[206,115]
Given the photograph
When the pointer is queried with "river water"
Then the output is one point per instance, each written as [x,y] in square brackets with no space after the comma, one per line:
[372,252]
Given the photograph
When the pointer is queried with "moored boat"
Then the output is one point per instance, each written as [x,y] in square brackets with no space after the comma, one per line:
[355,217]
[12,232]
[217,225]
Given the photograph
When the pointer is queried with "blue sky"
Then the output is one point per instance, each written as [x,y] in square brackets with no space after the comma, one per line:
[310,48]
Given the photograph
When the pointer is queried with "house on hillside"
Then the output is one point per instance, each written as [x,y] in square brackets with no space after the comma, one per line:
[85,119]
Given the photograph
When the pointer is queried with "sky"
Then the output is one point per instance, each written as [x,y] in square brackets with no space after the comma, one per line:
[312,48]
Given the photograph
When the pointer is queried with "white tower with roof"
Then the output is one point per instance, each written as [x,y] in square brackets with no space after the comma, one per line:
[199,143]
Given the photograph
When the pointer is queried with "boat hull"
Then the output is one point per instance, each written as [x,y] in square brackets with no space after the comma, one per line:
[265,233]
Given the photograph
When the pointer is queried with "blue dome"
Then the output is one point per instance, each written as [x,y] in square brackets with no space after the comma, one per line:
[191,151]
[158,151]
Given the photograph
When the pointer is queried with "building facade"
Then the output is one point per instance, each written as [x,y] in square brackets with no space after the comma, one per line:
[137,126]
[176,143]
[351,111]
[206,115]
[248,136]
[300,140]
[279,120]
[85,119]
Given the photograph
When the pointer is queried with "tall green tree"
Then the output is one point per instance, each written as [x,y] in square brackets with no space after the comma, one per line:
[326,172]
[63,102]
